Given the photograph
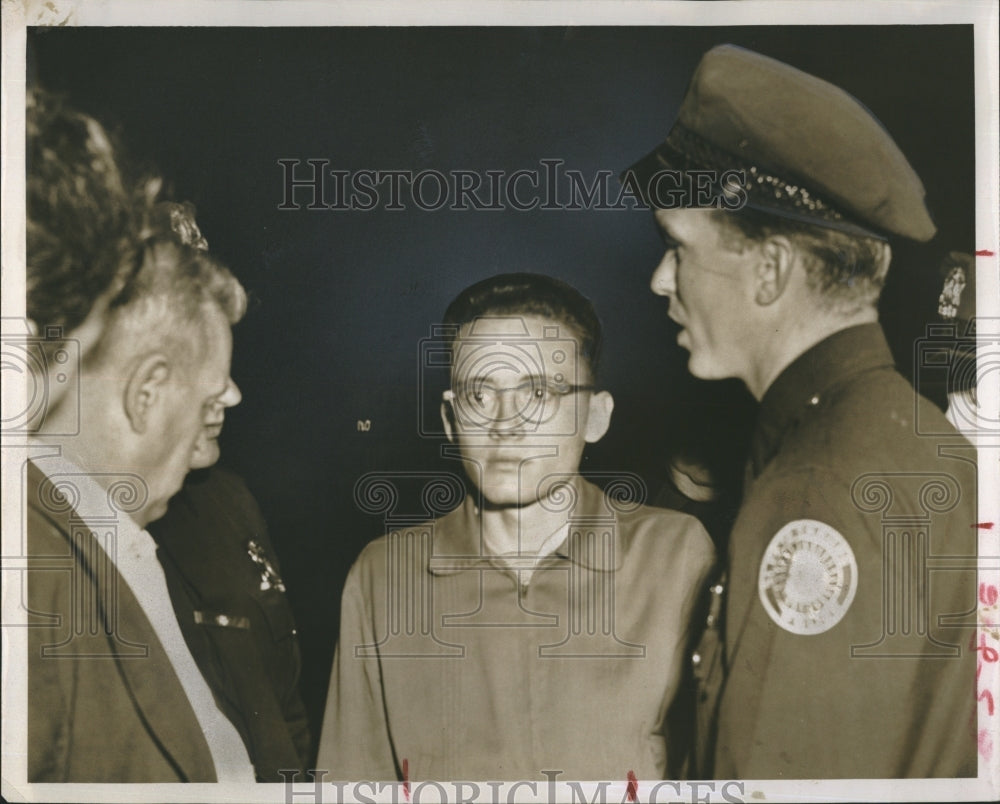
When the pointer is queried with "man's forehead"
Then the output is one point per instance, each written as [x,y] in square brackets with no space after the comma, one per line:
[528,346]
[513,326]
[686,223]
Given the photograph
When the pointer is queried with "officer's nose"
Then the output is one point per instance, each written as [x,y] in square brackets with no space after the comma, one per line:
[664,280]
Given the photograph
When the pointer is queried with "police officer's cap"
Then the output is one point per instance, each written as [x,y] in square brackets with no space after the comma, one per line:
[807,149]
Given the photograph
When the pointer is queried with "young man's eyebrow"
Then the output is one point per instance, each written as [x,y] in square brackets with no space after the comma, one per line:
[520,380]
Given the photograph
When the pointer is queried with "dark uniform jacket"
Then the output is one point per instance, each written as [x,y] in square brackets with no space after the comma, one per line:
[227,592]
[850,603]
[104,702]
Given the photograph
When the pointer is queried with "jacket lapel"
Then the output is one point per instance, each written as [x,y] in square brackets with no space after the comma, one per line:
[139,657]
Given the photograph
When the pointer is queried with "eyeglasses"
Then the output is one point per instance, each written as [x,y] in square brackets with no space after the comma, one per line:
[534,400]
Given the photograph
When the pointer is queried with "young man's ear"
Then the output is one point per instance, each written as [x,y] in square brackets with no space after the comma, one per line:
[448,420]
[598,416]
[777,257]
[144,389]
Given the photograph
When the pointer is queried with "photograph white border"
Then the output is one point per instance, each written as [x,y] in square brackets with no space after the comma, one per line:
[246,13]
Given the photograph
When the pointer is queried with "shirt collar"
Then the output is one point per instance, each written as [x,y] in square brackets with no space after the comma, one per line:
[593,542]
[808,381]
[72,489]
[74,497]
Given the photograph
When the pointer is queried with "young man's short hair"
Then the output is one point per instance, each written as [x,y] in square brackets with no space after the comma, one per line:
[531,294]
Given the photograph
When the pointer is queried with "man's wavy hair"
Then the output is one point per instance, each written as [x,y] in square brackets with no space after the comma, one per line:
[90,233]
[82,220]
[162,303]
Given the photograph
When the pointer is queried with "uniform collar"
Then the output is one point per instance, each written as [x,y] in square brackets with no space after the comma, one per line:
[809,379]
[457,542]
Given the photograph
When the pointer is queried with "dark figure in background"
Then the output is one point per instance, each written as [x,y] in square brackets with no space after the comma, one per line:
[227,592]
[956,309]
[704,478]
[773,278]
[707,451]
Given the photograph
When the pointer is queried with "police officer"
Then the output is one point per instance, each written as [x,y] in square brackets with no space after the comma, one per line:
[226,588]
[227,592]
[845,639]
[956,309]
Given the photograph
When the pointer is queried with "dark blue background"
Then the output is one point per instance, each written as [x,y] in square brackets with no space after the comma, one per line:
[342,299]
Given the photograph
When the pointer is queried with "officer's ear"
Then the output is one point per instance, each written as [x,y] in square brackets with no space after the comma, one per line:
[601,405]
[774,268]
[146,387]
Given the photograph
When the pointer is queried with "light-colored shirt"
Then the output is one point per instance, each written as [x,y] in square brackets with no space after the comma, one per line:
[450,666]
[514,560]
[133,553]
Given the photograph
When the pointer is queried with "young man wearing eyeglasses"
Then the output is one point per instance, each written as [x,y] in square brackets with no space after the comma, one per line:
[539,627]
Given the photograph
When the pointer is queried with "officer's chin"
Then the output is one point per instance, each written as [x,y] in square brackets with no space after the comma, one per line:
[703,367]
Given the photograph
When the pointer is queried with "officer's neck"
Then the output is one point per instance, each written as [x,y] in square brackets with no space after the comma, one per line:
[782,344]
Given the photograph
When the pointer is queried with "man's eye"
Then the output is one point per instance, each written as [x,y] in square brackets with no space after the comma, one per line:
[551,390]
[665,238]
[668,242]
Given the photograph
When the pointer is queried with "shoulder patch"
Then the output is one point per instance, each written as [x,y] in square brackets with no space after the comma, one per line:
[808,577]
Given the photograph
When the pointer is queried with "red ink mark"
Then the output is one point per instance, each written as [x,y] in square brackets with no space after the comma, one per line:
[987,696]
[984,253]
[632,791]
[983,525]
[406,779]
[989,654]
[985,743]
[988,594]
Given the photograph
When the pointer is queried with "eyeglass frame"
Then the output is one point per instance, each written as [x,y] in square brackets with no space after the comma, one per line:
[559,391]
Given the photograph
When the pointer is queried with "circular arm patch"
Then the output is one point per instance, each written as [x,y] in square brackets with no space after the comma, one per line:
[808,577]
